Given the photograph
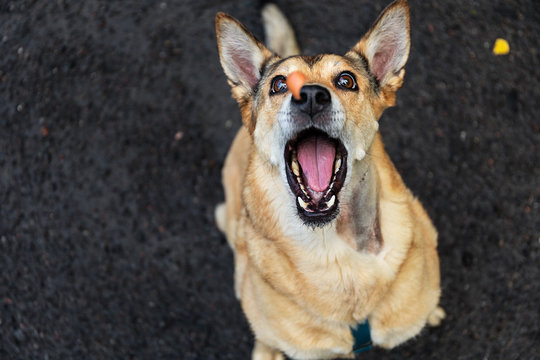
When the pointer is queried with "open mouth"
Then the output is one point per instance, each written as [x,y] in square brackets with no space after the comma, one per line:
[316,166]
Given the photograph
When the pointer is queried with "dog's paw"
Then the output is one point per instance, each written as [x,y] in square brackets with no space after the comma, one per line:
[436,316]
[264,352]
[220,217]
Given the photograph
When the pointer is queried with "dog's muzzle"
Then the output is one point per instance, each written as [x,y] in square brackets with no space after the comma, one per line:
[315,156]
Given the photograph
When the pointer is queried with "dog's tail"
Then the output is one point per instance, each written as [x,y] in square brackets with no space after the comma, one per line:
[279,32]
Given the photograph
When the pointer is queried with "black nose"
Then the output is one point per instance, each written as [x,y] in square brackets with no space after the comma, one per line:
[313,99]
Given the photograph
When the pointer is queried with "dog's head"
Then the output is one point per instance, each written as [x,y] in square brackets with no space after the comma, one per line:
[317,141]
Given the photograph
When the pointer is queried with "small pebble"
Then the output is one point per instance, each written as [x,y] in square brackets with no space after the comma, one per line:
[44,131]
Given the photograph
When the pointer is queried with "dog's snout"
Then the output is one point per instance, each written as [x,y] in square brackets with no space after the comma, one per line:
[313,99]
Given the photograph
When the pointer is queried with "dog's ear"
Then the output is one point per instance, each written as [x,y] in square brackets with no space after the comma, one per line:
[242,56]
[386,48]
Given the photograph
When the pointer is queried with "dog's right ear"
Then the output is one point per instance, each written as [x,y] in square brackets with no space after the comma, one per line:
[242,56]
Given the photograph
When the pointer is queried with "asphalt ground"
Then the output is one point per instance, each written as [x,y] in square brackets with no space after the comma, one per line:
[115,118]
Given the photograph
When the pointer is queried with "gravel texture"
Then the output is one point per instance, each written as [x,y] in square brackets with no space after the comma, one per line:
[115,118]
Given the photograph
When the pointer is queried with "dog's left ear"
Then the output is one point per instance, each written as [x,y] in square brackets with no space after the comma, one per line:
[386,48]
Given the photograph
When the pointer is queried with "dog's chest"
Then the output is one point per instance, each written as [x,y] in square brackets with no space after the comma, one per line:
[336,272]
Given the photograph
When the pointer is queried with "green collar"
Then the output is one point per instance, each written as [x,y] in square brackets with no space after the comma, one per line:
[362,337]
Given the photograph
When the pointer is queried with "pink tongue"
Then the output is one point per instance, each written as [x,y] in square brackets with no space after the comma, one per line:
[316,156]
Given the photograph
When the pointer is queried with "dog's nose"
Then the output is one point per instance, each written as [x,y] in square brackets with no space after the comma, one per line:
[313,99]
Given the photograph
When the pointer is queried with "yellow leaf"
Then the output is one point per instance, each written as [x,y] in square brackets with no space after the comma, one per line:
[501,47]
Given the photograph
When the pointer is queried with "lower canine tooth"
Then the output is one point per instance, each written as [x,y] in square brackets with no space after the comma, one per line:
[302,203]
[331,202]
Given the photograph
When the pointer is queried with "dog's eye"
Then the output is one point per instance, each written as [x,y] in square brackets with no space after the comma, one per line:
[279,85]
[346,81]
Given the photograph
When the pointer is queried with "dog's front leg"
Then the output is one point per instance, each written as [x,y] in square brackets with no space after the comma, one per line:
[264,352]
[240,263]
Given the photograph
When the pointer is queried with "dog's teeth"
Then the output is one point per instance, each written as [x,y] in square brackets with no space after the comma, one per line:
[331,202]
[302,203]
[295,168]
[329,189]
[337,164]
[294,164]
[302,187]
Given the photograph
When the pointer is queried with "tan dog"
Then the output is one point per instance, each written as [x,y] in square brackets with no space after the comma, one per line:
[324,232]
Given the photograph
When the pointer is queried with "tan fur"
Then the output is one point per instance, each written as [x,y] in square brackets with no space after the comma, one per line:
[300,288]
[279,33]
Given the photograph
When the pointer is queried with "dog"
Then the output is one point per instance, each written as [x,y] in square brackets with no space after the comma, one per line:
[332,251]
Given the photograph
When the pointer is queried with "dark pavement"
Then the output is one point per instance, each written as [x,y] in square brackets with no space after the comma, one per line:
[115,118]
